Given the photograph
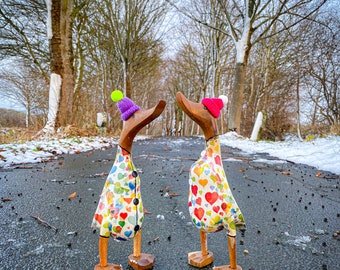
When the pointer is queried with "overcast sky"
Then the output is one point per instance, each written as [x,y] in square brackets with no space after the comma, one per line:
[6,104]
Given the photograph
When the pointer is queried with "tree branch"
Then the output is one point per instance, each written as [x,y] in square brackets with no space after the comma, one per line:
[262,37]
[43,222]
[186,14]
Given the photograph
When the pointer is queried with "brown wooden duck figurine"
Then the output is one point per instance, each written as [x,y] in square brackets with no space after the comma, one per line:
[120,210]
[212,206]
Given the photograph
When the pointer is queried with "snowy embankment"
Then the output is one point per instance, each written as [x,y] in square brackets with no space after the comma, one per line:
[322,153]
[40,151]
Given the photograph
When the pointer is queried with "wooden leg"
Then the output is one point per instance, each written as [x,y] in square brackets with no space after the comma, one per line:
[138,260]
[137,244]
[201,258]
[103,265]
[232,252]
[232,256]
[204,243]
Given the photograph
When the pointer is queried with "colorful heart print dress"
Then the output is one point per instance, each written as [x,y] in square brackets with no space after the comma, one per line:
[211,204]
[120,210]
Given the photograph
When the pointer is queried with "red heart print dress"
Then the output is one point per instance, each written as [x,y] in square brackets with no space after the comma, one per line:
[212,206]
[120,209]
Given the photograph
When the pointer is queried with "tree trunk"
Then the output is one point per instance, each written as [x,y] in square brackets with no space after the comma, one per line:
[62,77]
[128,89]
[77,100]
[55,41]
[178,122]
[28,117]
[243,46]
[298,105]
[53,33]
[67,87]
[234,121]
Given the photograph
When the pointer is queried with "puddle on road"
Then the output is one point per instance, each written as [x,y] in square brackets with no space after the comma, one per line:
[20,246]
[39,250]
[48,247]
[302,242]
[298,241]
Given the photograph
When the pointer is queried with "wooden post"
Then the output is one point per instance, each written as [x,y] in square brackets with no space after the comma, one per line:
[255,135]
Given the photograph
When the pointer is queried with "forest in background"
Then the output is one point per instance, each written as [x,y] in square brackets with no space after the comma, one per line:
[280,58]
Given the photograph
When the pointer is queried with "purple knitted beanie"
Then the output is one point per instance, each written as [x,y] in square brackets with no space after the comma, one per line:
[126,106]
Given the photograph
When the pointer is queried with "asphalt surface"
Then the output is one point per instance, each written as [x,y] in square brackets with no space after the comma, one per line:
[291,214]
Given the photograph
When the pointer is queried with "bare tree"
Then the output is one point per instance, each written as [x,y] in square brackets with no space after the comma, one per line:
[322,71]
[23,24]
[202,58]
[59,33]
[130,27]
[25,86]
[111,32]
[249,22]
[23,29]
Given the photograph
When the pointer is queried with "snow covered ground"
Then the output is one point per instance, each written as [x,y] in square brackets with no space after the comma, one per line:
[322,153]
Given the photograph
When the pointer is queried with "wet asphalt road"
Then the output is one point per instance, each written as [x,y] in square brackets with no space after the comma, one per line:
[291,214]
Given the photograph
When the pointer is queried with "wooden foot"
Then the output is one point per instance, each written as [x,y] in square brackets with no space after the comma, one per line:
[109,266]
[232,256]
[103,265]
[198,259]
[227,267]
[138,260]
[144,261]
[201,258]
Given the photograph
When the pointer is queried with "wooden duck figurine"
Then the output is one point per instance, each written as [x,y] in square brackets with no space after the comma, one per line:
[212,206]
[120,209]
